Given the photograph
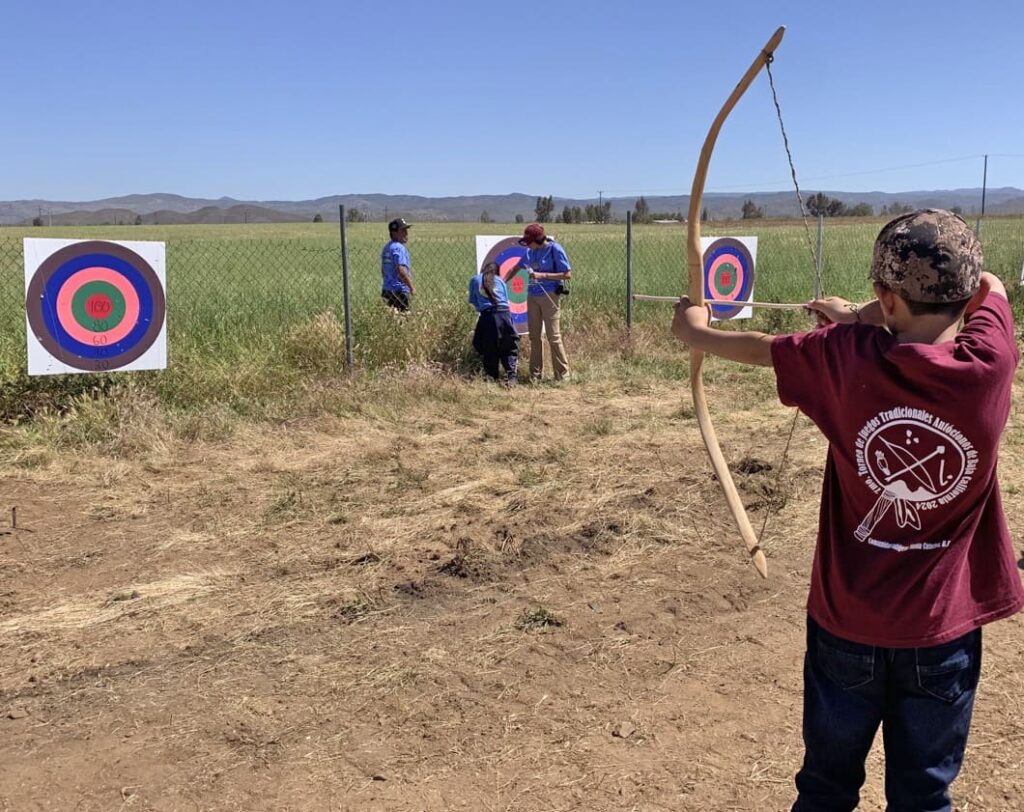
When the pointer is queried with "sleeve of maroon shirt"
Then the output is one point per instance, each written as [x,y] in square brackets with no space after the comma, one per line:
[988,334]
[806,376]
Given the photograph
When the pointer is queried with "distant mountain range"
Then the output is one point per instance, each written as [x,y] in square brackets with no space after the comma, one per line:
[172,209]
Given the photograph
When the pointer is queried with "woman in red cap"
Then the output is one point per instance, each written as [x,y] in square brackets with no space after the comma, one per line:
[549,271]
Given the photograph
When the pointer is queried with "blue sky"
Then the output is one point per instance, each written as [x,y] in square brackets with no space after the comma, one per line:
[278,101]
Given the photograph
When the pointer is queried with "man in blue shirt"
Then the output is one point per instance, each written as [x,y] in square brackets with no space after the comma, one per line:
[396,268]
[549,271]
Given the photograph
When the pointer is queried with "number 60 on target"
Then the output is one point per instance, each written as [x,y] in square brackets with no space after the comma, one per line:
[94,306]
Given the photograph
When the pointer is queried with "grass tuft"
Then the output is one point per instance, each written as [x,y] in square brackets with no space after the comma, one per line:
[537,618]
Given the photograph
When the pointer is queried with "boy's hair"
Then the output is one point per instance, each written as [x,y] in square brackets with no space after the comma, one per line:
[930,257]
[487,274]
[935,308]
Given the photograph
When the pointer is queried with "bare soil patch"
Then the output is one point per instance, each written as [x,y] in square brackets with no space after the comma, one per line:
[531,600]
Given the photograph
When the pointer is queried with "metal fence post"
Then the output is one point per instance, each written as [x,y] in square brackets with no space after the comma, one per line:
[629,271]
[818,292]
[347,304]
[984,184]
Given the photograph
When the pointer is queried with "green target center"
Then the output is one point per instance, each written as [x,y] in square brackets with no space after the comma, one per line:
[518,287]
[725,278]
[98,306]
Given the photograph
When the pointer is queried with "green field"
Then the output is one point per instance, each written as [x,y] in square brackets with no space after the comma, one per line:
[249,305]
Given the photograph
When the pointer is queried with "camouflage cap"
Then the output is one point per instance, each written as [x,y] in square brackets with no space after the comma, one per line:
[929,255]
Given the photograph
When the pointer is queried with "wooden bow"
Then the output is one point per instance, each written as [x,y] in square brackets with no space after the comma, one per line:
[695,262]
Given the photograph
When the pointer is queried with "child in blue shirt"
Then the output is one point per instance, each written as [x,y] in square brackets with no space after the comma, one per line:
[495,337]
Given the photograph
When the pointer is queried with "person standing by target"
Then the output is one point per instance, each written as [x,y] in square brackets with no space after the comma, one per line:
[396,267]
[495,337]
[912,390]
[549,271]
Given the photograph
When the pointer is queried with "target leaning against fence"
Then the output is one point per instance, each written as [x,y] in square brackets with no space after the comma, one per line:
[730,268]
[94,306]
[729,264]
[509,254]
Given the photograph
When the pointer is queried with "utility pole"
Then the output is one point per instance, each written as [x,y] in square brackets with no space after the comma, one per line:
[600,207]
[984,183]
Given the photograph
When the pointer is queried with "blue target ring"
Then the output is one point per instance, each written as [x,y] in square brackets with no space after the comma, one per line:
[60,277]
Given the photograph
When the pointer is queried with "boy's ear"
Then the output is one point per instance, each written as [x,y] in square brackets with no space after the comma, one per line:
[886,298]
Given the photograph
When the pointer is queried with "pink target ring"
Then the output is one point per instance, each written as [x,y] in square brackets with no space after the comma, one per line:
[66,317]
[737,287]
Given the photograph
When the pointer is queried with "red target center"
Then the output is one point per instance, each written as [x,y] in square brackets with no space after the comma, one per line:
[517,284]
[726,279]
[99,306]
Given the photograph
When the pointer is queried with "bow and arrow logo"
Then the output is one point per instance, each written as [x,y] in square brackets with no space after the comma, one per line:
[914,462]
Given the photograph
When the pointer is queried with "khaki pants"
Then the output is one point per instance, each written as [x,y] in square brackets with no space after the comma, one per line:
[545,311]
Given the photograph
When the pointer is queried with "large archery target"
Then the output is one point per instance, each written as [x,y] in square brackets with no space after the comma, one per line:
[729,274]
[509,254]
[94,306]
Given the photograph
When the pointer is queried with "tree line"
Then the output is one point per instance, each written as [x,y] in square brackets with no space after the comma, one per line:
[818,204]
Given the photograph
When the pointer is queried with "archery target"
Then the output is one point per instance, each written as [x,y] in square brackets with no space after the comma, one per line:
[509,254]
[729,274]
[94,306]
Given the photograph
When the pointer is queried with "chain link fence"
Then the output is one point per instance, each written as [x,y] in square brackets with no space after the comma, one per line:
[239,295]
[786,256]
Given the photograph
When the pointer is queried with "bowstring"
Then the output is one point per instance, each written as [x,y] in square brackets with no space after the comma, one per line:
[819,287]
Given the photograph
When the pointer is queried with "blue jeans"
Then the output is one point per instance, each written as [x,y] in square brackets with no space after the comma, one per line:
[922,698]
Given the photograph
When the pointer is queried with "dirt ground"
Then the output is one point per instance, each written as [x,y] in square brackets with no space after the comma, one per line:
[463,599]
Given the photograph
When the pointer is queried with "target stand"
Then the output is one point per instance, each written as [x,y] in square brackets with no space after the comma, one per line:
[94,306]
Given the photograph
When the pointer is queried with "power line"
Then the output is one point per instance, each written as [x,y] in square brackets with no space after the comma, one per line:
[863,172]
[753,186]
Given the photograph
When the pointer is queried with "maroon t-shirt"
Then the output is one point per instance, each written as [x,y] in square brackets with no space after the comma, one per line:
[913,547]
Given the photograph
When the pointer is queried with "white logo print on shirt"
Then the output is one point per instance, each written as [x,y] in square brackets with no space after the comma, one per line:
[914,462]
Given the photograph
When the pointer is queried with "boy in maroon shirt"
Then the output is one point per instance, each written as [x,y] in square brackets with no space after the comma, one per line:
[912,391]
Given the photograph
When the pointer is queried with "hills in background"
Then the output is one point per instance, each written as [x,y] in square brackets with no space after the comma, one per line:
[173,209]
